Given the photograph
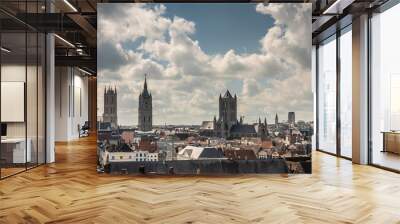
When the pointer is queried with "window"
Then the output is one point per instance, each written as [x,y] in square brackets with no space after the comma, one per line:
[327,95]
[346,93]
[385,88]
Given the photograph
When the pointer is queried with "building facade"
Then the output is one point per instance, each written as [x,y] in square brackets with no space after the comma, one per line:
[145,118]
[110,106]
[131,156]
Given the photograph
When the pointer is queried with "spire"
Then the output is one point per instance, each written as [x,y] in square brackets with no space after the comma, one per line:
[265,121]
[145,81]
[227,94]
[259,120]
[145,92]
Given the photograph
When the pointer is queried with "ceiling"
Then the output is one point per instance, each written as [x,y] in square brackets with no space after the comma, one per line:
[75,22]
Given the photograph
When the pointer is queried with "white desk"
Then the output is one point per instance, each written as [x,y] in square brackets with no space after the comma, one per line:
[18,147]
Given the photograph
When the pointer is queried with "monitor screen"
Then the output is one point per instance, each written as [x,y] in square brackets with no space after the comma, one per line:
[3,129]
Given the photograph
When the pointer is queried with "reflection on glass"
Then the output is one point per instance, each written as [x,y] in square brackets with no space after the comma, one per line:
[327,96]
[13,73]
[31,97]
[41,99]
[385,86]
[346,93]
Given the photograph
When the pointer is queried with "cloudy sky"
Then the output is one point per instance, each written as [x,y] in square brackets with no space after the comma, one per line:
[194,52]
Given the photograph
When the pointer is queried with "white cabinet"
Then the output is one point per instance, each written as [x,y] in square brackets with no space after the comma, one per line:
[19,155]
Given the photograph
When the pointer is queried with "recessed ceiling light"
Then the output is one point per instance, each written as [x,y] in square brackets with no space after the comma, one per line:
[64,40]
[337,7]
[5,50]
[70,5]
[84,71]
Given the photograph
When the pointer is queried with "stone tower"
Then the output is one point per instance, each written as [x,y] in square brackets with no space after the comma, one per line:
[110,106]
[262,129]
[145,118]
[291,118]
[227,113]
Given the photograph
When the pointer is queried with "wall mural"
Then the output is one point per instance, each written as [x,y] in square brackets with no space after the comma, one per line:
[204,89]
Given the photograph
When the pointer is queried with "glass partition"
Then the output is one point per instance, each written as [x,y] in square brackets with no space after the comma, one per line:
[41,97]
[31,98]
[22,77]
[13,94]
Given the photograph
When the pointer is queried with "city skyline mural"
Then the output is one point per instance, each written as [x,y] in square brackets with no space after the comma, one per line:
[204,88]
[190,59]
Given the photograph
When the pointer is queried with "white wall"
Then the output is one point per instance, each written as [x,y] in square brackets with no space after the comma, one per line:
[71,94]
[33,126]
[12,73]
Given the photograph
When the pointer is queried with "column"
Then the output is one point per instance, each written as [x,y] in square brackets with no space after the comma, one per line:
[360,89]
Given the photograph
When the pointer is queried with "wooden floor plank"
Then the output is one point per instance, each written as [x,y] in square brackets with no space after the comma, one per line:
[71,191]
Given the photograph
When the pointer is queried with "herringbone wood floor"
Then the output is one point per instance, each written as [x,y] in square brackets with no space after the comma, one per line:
[71,191]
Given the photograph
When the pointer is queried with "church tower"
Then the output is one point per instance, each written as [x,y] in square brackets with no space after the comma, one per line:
[227,114]
[276,120]
[228,108]
[145,118]
[263,129]
[110,106]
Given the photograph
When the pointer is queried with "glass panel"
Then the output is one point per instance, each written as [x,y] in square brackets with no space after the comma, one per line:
[31,98]
[23,90]
[13,86]
[41,98]
[32,88]
[346,93]
[327,95]
[385,86]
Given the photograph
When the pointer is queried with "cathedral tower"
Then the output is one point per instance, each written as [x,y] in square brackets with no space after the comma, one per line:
[228,108]
[227,114]
[263,129]
[110,106]
[145,118]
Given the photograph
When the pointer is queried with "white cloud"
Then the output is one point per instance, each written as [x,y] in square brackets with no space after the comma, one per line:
[186,82]
[130,22]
